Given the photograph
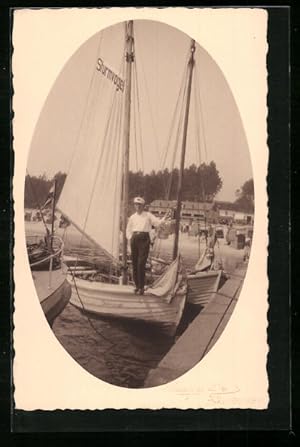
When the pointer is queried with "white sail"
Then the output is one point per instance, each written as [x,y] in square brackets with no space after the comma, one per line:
[91,195]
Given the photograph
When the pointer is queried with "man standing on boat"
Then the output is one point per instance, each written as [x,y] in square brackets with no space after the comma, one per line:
[138,233]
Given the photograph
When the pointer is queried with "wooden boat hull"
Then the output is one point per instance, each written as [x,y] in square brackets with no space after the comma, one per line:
[119,301]
[54,294]
[202,286]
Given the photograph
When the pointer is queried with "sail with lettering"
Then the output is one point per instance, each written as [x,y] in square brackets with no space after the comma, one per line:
[91,195]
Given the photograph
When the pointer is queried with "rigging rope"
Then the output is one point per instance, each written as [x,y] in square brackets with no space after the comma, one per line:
[179,115]
[101,154]
[98,165]
[177,118]
[135,134]
[112,345]
[181,90]
[199,158]
[176,144]
[92,78]
[139,116]
[201,114]
[88,318]
[197,120]
[231,299]
[204,140]
[91,97]
[144,82]
[102,151]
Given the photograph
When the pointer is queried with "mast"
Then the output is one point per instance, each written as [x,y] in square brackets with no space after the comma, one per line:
[183,148]
[129,61]
[53,213]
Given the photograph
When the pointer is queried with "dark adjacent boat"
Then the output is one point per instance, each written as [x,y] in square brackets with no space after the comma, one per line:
[49,274]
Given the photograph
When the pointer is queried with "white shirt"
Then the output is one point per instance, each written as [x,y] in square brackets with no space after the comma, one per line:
[142,222]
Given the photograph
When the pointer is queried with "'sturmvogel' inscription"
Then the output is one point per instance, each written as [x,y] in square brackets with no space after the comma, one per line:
[113,77]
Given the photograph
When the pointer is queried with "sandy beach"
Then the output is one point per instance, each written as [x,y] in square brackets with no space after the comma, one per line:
[189,246]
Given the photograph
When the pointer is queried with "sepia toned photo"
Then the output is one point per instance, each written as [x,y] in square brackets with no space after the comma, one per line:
[139,207]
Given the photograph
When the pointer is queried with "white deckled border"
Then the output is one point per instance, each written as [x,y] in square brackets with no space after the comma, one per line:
[233,374]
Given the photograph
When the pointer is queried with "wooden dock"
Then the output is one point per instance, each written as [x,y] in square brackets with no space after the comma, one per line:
[201,334]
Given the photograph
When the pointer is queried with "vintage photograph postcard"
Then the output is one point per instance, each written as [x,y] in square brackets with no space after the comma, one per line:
[141,219]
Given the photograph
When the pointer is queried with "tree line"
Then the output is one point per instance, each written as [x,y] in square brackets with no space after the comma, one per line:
[245,197]
[200,183]
[37,188]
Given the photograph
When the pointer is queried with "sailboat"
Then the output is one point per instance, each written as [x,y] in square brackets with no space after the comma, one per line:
[201,285]
[203,282]
[100,165]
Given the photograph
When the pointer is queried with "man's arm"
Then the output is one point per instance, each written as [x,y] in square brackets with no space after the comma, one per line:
[156,222]
[129,229]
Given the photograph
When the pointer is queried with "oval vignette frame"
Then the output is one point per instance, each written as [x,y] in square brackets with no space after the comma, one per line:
[42,130]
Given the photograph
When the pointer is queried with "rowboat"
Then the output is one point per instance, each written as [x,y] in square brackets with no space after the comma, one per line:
[202,286]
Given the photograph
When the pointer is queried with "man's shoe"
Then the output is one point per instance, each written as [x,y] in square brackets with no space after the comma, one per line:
[136,291]
[141,291]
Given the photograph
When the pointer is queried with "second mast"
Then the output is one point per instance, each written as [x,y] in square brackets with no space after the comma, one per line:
[191,64]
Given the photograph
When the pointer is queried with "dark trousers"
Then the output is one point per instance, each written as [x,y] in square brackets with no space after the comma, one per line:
[140,244]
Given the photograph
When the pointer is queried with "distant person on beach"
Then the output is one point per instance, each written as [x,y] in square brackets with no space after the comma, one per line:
[212,237]
[247,249]
[138,232]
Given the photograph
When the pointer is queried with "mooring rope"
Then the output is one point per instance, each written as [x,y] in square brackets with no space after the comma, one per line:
[233,298]
[83,308]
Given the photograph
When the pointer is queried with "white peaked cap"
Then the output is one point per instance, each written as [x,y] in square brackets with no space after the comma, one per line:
[139,200]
